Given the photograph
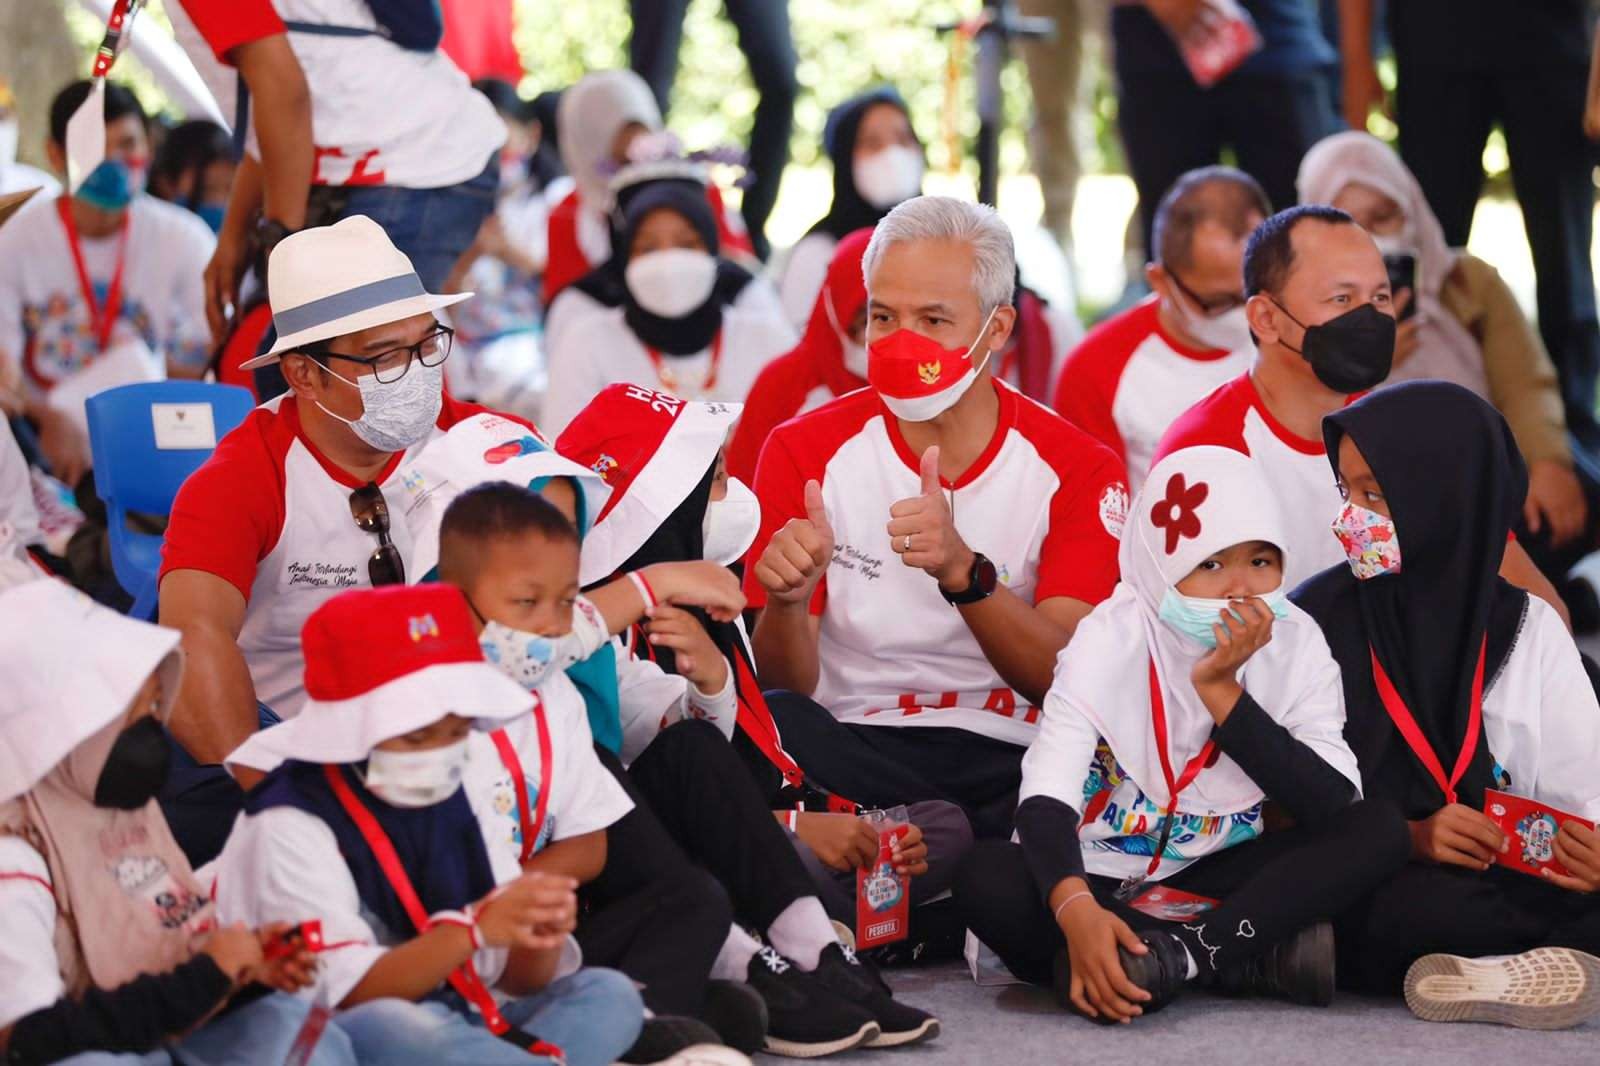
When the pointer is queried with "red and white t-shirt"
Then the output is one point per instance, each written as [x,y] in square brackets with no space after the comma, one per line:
[270,515]
[1234,416]
[1044,502]
[1130,379]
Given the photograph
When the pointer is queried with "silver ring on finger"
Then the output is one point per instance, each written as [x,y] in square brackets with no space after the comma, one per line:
[905,545]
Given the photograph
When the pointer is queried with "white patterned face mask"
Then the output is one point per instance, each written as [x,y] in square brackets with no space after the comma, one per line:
[526,658]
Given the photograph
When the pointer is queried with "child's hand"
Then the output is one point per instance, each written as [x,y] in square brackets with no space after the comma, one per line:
[841,841]
[699,583]
[1578,848]
[536,911]
[1457,835]
[289,972]
[698,659]
[1236,641]
[235,949]
[910,853]
[1100,986]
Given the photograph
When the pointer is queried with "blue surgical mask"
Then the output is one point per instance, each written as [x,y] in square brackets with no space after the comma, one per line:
[1193,616]
[211,215]
[109,186]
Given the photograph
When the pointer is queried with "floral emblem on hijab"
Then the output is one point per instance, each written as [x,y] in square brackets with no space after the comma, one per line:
[1178,512]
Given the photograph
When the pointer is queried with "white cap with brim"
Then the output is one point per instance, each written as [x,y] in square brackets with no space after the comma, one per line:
[346,731]
[333,280]
[70,667]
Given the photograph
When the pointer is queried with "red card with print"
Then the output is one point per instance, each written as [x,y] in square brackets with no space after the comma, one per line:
[1172,904]
[1223,37]
[1532,827]
[883,897]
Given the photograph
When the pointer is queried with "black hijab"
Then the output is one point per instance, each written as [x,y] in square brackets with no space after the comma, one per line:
[850,210]
[607,284]
[1454,481]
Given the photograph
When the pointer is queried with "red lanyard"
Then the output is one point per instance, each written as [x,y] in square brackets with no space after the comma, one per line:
[756,720]
[464,978]
[101,318]
[1208,753]
[1403,720]
[117,25]
[531,827]
[669,380]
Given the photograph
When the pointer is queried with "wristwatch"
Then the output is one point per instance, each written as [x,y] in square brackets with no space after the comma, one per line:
[980,583]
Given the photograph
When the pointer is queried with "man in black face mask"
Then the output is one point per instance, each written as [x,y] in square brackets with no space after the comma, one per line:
[1323,320]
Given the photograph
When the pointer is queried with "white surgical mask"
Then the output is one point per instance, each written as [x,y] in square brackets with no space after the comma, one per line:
[730,524]
[1229,331]
[672,282]
[530,659]
[1193,616]
[394,417]
[416,778]
[855,353]
[888,176]
[8,141]
[1393,244]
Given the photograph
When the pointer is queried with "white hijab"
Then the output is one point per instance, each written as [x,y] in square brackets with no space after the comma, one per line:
[1446,350]
[588,119]
[1104,671]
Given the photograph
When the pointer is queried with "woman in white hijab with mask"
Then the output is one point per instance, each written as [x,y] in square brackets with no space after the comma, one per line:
[1184,704]
[1460,322]
[110,952]
[670,311]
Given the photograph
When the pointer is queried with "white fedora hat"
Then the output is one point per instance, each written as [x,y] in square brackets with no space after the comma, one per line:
[332,280]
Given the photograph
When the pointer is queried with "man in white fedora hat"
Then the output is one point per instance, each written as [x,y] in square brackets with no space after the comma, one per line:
[307,497]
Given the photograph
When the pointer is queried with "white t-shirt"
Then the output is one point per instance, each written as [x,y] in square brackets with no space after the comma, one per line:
[1308,496]
[805,268]
[386,115]
[30,974]
[1129,380]
[17,510]
[271,516]
[599,349]
[17,177]
[46,328]
[1044,502]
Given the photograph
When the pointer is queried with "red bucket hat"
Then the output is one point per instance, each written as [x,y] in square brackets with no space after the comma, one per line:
[380,663]
[651,450]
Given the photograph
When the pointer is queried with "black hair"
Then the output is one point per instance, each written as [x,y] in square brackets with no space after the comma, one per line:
[491,511]
[189,146]
[1224,195]
[503,95]
[1269,255]
[120,102]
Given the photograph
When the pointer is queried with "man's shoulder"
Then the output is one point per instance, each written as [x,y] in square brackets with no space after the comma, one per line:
[250,460]
[1110,344]
[1062,445]
[21,232]
[1218,420]
[820,432]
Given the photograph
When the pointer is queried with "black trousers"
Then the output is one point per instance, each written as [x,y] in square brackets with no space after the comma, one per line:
[652,913]
[1270,888]
[765,40]
[1445,116]
[710,806]
[1426,908]
[1170,125]
[881,766]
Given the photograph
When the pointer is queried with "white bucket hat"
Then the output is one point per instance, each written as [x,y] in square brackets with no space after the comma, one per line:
[328,281]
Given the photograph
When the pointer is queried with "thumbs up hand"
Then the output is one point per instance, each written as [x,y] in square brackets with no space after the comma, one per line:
[922,531]
[798,554]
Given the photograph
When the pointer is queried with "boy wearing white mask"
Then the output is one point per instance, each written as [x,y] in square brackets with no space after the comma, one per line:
[1139,370]
[669,310]
[437,946]
[1146,857]
[928,546]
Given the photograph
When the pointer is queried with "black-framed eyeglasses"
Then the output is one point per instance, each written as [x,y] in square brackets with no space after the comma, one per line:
[390,366]
[371,512]
[1212,307]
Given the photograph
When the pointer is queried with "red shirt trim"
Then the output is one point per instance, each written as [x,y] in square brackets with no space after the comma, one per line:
[1004,421]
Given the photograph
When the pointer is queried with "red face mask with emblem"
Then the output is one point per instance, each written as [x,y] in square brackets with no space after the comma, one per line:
[918,379]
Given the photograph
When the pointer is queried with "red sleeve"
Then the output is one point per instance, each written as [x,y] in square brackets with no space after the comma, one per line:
[781,488]
[1088,388]
[229,513]
[731,231]
[564,260]
[227,24]
[773,399]
[1216,420]
[1078,558]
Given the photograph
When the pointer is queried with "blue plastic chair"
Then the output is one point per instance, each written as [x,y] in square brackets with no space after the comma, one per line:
[132,474]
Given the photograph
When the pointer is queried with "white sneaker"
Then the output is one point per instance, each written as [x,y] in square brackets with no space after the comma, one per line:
[707,1055]
[1546,988]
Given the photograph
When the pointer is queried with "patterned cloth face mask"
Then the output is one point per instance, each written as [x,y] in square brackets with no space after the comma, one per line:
[1369,540]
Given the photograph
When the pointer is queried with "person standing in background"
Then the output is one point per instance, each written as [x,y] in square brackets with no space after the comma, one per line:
[1462,67]
[1055,76]
[764,38]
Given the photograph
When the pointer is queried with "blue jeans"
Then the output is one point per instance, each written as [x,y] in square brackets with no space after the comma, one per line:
[432,226]
[593,1015]
[262,1032]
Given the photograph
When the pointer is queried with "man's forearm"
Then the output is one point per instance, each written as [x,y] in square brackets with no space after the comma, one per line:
[1018,639]
[216,707]
[785,646]
[1355,31]
[281,113]
[244,201]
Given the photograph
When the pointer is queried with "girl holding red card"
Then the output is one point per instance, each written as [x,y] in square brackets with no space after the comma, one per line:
[1457,684]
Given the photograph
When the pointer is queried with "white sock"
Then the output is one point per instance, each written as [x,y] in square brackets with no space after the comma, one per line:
[733,961]
[801,932]
[1194,967]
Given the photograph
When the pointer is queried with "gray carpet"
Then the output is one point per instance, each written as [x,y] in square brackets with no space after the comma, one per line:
[1019,1026]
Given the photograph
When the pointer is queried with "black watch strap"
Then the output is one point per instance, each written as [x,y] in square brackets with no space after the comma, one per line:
[981,580]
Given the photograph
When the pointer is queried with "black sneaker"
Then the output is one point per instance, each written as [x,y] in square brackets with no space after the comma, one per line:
[1162,972]
[665,1036]
[845,976]
[804,1019]
[737,1013]
[1300,970]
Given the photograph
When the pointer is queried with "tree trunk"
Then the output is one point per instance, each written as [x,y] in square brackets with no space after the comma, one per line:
[37,58]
